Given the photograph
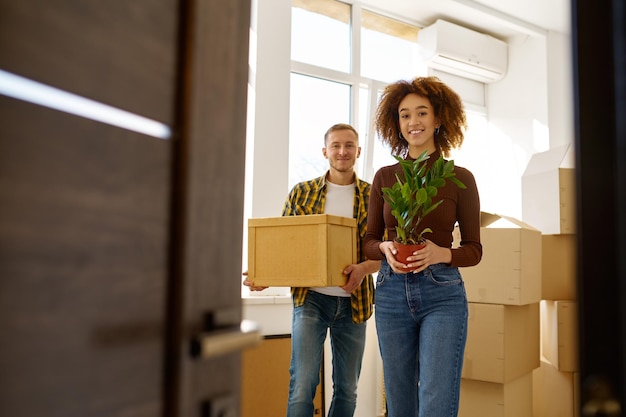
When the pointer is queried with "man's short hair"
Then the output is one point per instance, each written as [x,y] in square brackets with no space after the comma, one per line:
[339,126]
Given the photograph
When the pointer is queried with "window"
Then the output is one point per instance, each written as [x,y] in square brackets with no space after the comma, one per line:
[316,104]
[320,33]
[331,83]
[327,87]
[388,48]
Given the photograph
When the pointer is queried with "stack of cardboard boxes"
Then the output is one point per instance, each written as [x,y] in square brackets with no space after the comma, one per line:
[503,342]
[521,356]
[548,188]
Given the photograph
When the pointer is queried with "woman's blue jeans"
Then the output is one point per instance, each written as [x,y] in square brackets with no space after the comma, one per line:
[310,324]
[421,321]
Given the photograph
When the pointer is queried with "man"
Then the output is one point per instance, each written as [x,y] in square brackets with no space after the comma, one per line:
[342,310]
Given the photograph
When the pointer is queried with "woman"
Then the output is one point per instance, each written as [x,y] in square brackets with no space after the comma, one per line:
[421,316]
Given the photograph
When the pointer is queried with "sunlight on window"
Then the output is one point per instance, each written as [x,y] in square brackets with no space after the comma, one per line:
[363,128]
[389,50]
[382,152]
[320,33]
[382,155]
[316,104]
[321,37]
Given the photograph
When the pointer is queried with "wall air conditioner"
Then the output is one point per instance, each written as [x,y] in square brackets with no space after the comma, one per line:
[460,51]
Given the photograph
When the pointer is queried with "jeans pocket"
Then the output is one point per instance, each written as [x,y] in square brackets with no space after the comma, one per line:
[444,275]
[383,273]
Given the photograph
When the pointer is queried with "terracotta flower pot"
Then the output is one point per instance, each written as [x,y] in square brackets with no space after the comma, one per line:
[404,251]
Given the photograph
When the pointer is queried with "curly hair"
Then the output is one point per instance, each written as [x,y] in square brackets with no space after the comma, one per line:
[447,106]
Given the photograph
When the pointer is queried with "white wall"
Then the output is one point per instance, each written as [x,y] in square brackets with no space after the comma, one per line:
[269,76]
[530,110]
[560,89]
[267,148]
[518,119]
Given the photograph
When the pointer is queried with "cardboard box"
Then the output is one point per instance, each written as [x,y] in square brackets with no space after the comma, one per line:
[489,399]
[555,393]
[502,342]
[559,334]
[269,361]
[558,267]
[548,191]
[301,251]
[510,269]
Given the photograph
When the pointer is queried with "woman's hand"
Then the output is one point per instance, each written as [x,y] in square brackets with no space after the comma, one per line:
[420,260]
[388,248]
[429,255]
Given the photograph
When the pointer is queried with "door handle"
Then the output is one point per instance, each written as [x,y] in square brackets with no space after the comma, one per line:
[226,340]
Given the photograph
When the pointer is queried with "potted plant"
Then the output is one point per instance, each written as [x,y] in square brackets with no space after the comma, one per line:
[411,198]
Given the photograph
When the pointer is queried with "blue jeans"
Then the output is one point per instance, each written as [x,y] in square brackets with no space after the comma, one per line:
[310,324]
[421,321]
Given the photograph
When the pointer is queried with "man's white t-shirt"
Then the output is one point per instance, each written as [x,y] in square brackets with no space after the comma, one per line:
[339,202]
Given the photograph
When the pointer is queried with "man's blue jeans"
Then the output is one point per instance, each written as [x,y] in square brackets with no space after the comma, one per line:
[310,324]
[421,321]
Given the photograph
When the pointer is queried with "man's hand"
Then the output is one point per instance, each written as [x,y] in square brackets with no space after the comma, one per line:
[355,274]
[250,284]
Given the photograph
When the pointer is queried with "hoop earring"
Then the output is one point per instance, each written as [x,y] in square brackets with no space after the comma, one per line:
[437,130]
[400,136]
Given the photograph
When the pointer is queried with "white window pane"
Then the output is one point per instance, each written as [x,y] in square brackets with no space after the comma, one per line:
[389,49]
[316,105]
[320,34]
[362,128]
[382,155]
[382,152]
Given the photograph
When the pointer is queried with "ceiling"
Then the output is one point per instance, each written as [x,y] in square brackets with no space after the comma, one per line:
[504,19]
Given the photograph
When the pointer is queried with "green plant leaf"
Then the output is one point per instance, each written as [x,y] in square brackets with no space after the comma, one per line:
[437,183]
[411,196]
[458,183]
[421,196]
[431,208]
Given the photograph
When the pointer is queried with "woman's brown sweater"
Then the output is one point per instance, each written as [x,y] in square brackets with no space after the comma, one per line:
[459,205]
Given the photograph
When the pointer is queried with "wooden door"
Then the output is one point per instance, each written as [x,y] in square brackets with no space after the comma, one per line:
[599,45]
[119,247]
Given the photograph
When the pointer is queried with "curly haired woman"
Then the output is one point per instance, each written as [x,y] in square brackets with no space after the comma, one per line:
[421,315]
